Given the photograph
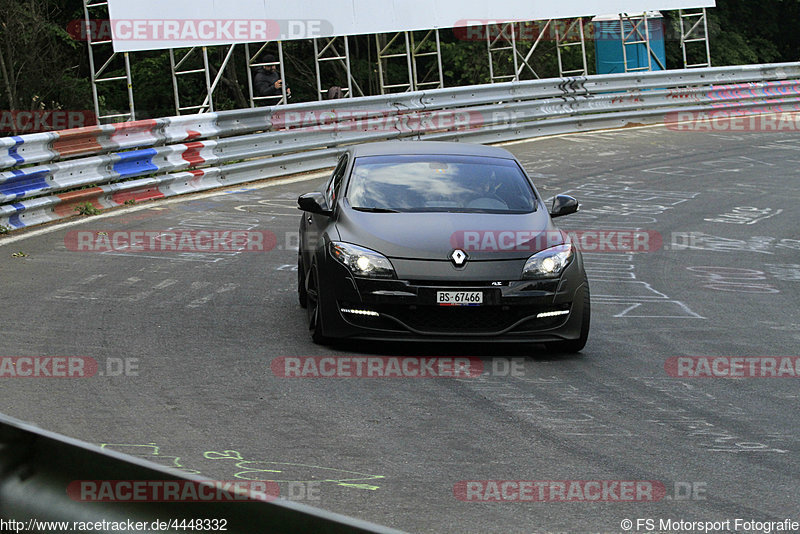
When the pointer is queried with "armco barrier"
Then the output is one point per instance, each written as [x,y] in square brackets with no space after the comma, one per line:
[38,469]
[148,159]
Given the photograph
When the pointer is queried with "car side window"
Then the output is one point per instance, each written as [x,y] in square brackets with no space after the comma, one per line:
[335,183]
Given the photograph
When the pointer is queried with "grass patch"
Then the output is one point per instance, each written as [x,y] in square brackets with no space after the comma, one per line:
[87,208]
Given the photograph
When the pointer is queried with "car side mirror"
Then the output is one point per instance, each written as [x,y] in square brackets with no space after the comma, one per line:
[314,203]
[564,205]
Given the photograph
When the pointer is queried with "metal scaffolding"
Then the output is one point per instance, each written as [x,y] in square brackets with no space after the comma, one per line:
[207,103]
[422,49]
[178,75]
[509,58]
[388,51]
[254,61]
[694,33]
[406,60]
[326,52]
[639,34]
[501,40]
[406,46]
[566,41]
[101,53]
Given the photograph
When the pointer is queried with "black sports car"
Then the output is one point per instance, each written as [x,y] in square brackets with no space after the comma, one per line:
[439,242]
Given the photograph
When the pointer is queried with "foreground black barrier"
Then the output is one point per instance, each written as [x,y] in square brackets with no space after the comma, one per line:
[46,477]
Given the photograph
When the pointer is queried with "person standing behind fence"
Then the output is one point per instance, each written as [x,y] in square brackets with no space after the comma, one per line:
[267,80]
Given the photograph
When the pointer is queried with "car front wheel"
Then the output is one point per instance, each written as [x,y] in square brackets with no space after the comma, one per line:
[576,345]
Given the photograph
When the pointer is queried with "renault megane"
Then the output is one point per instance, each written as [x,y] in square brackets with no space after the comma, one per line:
[441,242]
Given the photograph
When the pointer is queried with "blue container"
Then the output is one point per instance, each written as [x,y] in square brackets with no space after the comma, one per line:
[609,57]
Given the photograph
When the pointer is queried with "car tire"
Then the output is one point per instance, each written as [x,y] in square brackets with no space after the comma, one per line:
[302,295]
[576,345]
[314,309]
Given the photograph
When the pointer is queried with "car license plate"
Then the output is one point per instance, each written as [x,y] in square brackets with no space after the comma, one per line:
[459,298]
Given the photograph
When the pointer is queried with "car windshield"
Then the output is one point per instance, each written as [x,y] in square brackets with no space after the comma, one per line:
[469,184]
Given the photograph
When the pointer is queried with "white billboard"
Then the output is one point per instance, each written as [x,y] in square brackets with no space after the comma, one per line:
[159,24]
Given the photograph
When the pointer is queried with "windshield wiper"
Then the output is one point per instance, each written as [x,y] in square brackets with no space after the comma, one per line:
[377,210]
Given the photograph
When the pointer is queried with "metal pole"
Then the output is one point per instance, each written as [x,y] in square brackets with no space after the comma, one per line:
[249,60]
[208,81]
[439,60]
[347,62]
[174,81]
[86,20]
[411,66]
[414,80]
[708,41]
[283,73]
[514,50]
[647,43]
[624,48]
[583,47]
[316,66]
[489,52]
[130,86]
[380,62]
[558,52]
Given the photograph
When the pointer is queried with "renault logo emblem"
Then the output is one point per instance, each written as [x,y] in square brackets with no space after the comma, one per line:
[459,257]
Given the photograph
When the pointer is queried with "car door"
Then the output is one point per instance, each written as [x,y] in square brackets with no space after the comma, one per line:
[313,225]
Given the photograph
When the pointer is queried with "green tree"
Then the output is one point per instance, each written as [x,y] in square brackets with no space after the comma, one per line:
[41,65]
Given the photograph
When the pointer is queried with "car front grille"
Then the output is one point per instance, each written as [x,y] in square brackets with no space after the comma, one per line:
[459,319]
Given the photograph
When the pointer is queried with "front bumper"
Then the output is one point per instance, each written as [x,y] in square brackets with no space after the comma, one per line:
[406,309]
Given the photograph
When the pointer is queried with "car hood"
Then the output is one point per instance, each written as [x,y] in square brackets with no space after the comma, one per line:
[434,236]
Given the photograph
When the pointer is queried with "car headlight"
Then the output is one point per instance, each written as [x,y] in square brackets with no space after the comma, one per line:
[362,261]
[548,263]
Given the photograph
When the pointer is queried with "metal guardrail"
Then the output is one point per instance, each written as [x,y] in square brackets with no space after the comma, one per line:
[149,159]
[40,472]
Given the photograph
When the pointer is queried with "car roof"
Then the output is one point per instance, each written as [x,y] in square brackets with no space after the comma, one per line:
[408,148]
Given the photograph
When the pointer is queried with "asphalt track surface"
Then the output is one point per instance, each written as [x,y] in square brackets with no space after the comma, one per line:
[200,331]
